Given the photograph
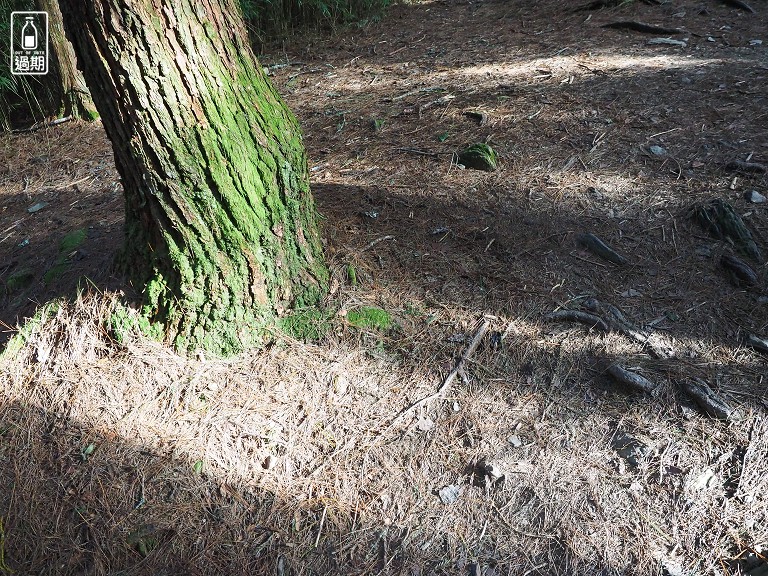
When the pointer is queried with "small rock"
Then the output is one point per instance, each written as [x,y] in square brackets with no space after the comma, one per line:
[754,197]
[516,441]
[629,448]
[37,207]
[755,42]
[673,567]
[631,293]
[704,251]
[668,42]
[658,151]
[710,39]
[706,478]
[449,494]
[456,407]
[493,471]
[425,424]
[596,193]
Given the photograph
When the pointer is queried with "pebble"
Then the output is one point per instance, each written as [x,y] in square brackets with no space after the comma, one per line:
[37,207]
[658,151]
[449,494]
[668,42]
[754,197]
[425,425]
[493,471]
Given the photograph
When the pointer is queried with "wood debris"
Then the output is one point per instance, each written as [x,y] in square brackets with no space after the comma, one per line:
[630,379]
[641,27]
[751,167]
[600,249]
[708,400]
[740,272]
[757,343]
[739,4]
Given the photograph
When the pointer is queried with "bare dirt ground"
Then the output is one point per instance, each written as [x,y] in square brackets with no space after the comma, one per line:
[131,459]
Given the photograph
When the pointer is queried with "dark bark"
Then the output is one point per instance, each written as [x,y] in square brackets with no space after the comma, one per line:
[220,223]
[75,98]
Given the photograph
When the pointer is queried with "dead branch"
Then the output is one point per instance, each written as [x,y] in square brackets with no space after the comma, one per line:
[459,368]
[372,244]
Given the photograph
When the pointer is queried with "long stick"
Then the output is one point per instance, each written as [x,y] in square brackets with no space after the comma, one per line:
[448,380]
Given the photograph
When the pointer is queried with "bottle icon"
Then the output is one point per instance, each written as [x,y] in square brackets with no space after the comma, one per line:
[29,35]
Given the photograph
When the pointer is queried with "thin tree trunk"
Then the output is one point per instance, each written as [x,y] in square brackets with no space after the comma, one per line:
[220,224]
[75,98]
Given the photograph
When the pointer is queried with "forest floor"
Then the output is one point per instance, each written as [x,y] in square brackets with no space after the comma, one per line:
[295,460]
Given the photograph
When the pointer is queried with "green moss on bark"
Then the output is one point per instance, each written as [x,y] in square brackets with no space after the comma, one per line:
[220,223]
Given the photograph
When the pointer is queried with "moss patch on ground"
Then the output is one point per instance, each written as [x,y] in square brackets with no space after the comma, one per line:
[371,318]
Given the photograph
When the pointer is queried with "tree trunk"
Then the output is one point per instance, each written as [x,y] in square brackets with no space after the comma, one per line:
[220,224]
[75,97]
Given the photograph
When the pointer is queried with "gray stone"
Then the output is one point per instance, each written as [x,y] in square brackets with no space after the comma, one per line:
[449,494]
[754,197]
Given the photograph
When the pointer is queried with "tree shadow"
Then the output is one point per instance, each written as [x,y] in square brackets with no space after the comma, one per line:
[575,158]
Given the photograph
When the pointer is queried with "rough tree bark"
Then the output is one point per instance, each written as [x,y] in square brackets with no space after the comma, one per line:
[220,225]
[75,98]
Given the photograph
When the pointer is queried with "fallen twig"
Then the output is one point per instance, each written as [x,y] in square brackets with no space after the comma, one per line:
[372,244]
[614,318]
[421,152]
[38,125]
[459,368]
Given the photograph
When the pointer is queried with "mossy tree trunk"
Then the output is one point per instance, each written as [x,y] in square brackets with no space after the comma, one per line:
[75,98]
[220,224]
